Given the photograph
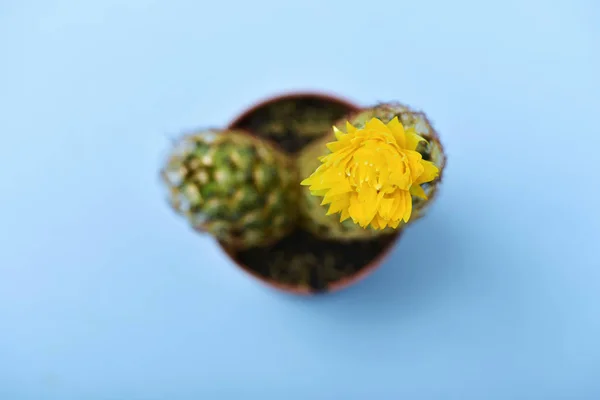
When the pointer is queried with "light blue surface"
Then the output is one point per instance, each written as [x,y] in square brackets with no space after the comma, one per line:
[106,294]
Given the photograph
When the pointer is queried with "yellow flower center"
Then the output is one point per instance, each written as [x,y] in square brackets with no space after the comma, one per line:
[372,173]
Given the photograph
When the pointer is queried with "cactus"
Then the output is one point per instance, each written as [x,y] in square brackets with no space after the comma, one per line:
[431,150]
[411,145]
[236,187]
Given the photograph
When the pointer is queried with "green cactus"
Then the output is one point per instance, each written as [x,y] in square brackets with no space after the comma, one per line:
[236,187]
[314,217]
[431,150]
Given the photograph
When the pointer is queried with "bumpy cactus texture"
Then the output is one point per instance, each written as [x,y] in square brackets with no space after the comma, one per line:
[431,150]
[238,188]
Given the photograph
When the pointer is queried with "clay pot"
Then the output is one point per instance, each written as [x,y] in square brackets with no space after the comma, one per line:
[315,283]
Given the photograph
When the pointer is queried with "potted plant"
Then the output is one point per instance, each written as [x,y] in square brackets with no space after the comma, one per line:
[307,192]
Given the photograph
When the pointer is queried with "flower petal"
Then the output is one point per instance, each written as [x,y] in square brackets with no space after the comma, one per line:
[368,195]
[344,215]
[398,132]
[349,127]
[382,222]
[386,207]
[400,176]
[342,187]
[417,190]
[338,134]
[394,224]
[430,172]
[363,206]
[377,125]
[407,205]
[308,181]
[329,198]
[356,210]
[335,146]
[339,205]
[319,193]
[329,178]
[414,164]
[412,139]
[375,223]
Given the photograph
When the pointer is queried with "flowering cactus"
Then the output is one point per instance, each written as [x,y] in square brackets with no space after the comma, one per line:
[375,170]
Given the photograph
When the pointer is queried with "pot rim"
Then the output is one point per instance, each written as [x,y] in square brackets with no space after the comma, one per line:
[347,281]
[291,95]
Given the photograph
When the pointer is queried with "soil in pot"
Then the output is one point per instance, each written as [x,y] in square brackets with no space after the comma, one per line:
[302,262]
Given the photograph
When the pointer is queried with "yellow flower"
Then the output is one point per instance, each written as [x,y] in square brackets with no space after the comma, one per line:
[371,173]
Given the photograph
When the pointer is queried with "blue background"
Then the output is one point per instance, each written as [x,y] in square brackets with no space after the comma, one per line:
[106,294]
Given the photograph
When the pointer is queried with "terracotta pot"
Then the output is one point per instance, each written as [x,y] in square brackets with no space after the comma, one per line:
[346,281]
